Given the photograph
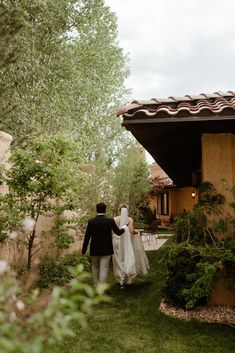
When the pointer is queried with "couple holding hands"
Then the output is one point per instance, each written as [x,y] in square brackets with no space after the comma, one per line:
[116,238]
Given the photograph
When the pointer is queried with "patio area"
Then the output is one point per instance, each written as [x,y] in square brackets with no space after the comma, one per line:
[154,241]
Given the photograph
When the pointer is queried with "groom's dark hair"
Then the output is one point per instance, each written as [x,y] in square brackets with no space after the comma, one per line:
[101,207]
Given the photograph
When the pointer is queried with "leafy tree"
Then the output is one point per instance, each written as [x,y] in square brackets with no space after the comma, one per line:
[11,22]
[131,182]
[44,179]
[30,79]
[69,75]
[102,69]
[97,186]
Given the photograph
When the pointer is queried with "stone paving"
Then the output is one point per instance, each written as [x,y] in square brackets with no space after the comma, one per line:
[150,241]
[154,241]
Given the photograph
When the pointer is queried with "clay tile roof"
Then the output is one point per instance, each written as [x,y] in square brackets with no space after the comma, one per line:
[218,103]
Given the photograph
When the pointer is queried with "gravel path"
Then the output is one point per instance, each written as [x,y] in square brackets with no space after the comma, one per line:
[216,314]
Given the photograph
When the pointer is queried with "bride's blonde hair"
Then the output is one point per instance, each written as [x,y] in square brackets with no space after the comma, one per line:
[123,205]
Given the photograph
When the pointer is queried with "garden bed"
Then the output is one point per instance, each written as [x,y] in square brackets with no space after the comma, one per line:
[216,314]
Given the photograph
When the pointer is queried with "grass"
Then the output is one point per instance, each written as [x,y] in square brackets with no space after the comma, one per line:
[132,323]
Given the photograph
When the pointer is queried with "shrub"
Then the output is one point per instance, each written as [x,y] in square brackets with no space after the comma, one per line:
[191,276]
[190,227]
[207,219]
[192,266]
[56,271]
[32,322]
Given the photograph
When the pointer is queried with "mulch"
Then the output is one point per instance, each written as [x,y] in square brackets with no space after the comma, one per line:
[213,314]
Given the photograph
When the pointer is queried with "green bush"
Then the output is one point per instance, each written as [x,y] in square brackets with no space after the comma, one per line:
[191,227]
[193,265]
[32,322]
[55,271]
[190,276]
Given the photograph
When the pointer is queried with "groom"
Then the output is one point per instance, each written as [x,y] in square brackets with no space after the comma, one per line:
[99,234]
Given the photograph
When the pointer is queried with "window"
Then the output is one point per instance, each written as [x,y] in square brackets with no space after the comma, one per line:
[163,203]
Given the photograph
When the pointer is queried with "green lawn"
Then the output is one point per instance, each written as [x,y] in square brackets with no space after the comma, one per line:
[131,323]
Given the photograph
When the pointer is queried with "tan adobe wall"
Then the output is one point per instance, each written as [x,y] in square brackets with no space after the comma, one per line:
[218,167]
[218,161]
[233,157]
[181,199]
[218,164]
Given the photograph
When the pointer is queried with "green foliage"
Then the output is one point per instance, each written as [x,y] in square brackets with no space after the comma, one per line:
[9,216]
[10,24]
[193,271]
[191,227]
[26,327]
[55,271]
[97,187]
[191,275]
[125,182]
[207,219]
[69,69]
[203,280]
[210,200]
[44,168]
[44,179]
[229,243]
[60,231]
[131,183]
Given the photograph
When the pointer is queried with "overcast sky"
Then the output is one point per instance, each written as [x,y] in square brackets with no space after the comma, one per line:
[177,47]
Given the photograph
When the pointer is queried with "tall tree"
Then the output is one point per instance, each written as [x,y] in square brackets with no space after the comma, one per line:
[131,182]
[11,22]
[69,75]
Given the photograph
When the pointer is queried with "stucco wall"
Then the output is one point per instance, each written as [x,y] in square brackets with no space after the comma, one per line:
[218,161]
[233,157]
[218,167]
[181,199]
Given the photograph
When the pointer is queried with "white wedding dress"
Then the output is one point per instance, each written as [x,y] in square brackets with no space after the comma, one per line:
[129,257]
[141,260]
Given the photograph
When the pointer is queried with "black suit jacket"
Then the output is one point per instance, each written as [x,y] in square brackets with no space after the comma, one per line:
[99,234]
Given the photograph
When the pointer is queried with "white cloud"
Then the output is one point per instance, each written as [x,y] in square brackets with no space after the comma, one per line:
[177,47]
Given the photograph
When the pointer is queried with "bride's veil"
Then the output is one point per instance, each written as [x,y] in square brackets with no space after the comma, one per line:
[124,216]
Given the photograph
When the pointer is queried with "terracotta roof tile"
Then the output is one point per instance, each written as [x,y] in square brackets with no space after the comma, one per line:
[212,104]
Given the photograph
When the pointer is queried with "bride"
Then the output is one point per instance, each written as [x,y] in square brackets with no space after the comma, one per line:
[129,257]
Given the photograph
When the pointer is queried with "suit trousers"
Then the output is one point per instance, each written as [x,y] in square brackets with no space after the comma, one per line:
[100,267]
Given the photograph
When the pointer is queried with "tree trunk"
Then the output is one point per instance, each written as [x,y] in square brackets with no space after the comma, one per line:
[30,250]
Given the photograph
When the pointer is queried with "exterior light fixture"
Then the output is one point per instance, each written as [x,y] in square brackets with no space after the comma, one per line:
[193,194]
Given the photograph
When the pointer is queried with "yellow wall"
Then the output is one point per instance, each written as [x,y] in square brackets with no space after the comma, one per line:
[181,199]
[218,161]
[233,157]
